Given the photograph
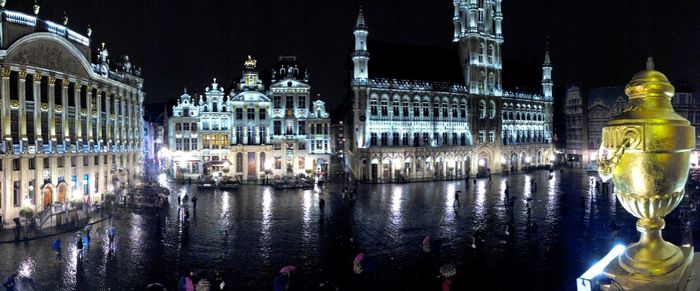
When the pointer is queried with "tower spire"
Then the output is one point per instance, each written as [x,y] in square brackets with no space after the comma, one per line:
[360,24]
[547,84]
[360,56]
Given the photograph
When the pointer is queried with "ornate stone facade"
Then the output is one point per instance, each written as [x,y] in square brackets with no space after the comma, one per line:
[69,132]
[252,133]
[407,130]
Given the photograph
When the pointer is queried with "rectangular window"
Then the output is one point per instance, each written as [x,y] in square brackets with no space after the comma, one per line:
[251,113]
[47,163]
[373,139]
[178,127]
[290,102]
[193,127]
[373,108]
[85,162]
[395,107]
[263,134]
[404,141]
[15,193]
[302,163]
[395,138]
[482,136]
[278,163]
[186,127]
[302,146]
[262,114]
[276,147]
[385,110]
[492,136]
[239,134]
[302,102]
[385,139]
[15,164]
[302,127]
[32,163]
[277,127]
[193,143]
[239,113]
[277,102]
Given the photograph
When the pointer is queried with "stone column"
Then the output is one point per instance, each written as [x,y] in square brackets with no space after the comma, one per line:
[6,111]
[108,122]
[37,113]
[52,108]
[64,97]
[22,111]
[78,117]
[88,119]
[99,140]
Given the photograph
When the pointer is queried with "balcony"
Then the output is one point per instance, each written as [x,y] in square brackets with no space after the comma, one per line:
[16,149]
[61,148]
[46,148]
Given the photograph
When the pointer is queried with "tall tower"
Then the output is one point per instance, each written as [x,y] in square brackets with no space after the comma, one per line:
[360,57]
[547,77]
[477,30]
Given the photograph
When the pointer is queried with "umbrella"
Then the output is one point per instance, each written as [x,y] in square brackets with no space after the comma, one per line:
[358,259]
[288,269]
[448,270]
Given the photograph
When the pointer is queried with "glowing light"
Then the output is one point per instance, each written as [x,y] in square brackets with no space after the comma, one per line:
[598,267]
[594,157]
[528,159]
[552,158]
[110,188]
[227,164]
[482,162]
[503,160]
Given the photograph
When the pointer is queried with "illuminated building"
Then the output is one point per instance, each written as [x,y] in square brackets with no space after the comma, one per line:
[71,128]
[252,132]
[409,130]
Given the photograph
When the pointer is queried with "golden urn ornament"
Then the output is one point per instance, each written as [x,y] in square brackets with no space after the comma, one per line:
[646,152]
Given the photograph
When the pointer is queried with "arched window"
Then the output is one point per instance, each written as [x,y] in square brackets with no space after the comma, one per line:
[491,54]
[492,114]
[482,109]
[239,162]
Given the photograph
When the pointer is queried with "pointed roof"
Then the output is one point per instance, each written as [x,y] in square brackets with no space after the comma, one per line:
[360,25]
[547,61]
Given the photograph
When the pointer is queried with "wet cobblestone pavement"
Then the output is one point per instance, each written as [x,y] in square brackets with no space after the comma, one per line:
[250,233]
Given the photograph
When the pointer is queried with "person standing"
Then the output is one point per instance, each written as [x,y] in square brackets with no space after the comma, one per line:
[456,201]
[194,202]
[322,204]
[79,246]
[56,246]
[111,233]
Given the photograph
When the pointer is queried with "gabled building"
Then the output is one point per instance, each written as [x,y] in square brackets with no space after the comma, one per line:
[253,132]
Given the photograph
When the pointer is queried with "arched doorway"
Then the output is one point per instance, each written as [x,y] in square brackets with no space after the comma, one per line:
[47,192]
[62,192]
[514,162]
[483,163]
[467,166]
[540,161]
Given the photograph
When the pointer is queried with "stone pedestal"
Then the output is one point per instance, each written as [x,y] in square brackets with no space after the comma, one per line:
[680,279]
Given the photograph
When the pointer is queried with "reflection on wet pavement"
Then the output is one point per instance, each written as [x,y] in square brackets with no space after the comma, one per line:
[250,233]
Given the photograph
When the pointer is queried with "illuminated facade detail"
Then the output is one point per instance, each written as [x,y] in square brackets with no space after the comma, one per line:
[72,130]
[477,32]
[252,132]
[406,130]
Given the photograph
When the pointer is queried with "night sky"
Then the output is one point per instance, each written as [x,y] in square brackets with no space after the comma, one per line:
[187,43]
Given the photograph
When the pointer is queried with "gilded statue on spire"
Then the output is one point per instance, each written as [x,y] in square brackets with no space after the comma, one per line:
[250,63]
